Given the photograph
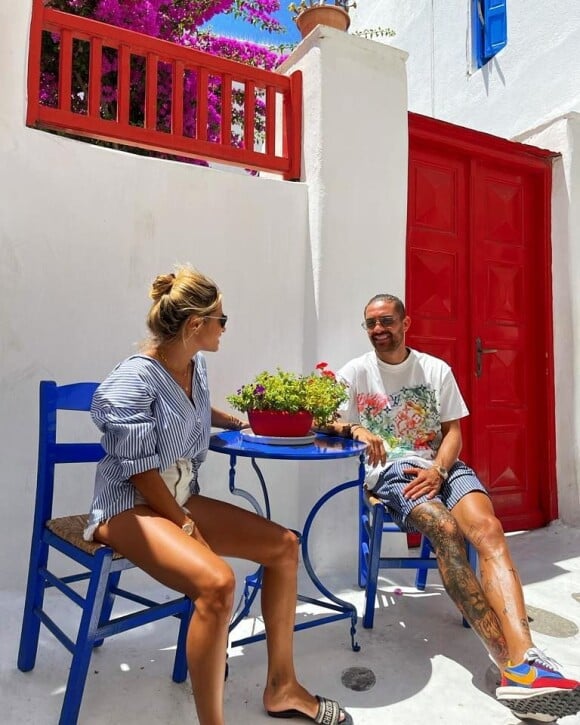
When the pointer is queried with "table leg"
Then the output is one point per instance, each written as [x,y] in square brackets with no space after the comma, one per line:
[341,608]
[344,608]
[245,494]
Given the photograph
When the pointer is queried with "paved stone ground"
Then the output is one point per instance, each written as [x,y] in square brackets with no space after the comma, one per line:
[418,665]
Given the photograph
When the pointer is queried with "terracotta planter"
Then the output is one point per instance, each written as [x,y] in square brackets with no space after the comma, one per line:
[332,16]
[280,423]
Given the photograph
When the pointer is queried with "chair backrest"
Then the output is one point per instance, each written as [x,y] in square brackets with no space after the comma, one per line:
[52,398]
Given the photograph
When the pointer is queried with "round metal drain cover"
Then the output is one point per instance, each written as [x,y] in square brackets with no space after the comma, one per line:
[358,678]
[546,622]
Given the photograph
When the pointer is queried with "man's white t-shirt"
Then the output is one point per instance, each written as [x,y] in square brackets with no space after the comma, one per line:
[405,404]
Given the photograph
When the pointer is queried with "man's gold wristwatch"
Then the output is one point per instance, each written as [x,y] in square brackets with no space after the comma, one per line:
[188,527]
[441,470]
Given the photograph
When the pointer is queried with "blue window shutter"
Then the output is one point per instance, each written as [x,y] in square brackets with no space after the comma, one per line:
[494,27]
[477,32]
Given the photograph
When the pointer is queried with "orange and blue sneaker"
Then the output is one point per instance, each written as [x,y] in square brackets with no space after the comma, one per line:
[537,690]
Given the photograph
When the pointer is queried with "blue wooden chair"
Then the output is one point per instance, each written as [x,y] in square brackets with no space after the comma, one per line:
[101,566]
[374,521]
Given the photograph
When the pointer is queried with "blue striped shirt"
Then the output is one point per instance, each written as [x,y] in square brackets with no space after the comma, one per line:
[148,422]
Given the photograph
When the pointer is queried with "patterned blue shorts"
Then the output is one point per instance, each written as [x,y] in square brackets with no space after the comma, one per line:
[389,489]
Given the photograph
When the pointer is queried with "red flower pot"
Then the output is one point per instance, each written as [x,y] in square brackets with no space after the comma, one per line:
[280,423]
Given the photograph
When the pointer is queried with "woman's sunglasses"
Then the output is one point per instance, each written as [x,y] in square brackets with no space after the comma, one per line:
[222,319]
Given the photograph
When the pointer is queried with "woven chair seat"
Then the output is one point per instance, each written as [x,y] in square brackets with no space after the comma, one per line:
[70,528]
[371,498]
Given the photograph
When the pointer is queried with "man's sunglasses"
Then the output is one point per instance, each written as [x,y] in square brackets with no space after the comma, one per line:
[385,321]
[223,319]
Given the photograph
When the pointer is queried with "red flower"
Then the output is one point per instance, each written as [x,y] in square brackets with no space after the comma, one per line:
[321,365]
[329,374]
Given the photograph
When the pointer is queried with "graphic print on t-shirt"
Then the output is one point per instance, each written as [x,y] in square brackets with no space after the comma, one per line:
[408,420]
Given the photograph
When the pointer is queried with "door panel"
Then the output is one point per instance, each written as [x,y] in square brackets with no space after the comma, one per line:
[477,247]
[505,444]
[437,264]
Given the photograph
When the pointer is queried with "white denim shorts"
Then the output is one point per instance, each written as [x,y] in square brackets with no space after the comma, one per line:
[177,478]
[181,480]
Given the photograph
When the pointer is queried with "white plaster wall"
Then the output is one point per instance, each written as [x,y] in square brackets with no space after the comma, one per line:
[83,230]
[563,135]
[536,77]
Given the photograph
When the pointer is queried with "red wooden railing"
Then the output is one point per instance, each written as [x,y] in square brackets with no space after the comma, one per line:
[258,124]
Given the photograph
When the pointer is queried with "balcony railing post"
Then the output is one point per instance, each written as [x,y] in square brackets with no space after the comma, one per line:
[65,70]
[249,114]
[151,74]
[270,125]
[123,84]
[293,126]
[201,104]
[226,117]
[177,98]
[95,76]
[34,60]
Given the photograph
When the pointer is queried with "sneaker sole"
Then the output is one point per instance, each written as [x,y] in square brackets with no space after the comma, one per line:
[537,717]
[527,703]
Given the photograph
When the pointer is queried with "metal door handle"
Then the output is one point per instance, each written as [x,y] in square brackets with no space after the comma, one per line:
[479,351]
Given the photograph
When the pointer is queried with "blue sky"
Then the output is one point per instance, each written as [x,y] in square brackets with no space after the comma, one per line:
[234,28]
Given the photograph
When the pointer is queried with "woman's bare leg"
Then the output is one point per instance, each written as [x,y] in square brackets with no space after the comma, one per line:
[499,577]
[231,531]
[180,562]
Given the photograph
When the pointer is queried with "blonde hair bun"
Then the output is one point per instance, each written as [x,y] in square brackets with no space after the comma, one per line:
[161,285]
[176,297]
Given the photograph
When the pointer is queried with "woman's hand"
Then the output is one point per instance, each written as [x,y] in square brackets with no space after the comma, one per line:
[236,423]
[375,451]
[221,419]
[190,528]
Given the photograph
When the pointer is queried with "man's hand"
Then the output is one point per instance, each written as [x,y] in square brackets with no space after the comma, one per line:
[427,482]
[375,446]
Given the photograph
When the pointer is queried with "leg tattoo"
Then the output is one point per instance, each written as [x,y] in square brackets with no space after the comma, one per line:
[459,580]
[497,579]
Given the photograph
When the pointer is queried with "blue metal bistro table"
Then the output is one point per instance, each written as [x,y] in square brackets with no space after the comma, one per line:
[323,448]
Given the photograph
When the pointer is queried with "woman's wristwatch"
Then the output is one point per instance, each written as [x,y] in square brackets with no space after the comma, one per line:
[188,527]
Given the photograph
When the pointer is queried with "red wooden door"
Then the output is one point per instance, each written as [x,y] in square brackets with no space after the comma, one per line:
[478,292]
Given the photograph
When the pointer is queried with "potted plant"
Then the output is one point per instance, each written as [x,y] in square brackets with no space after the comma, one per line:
[310,13]
[283,403]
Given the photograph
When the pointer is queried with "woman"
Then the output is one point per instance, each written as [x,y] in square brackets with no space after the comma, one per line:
[155,414]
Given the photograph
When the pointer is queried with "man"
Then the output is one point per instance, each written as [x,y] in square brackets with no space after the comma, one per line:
[406,405]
